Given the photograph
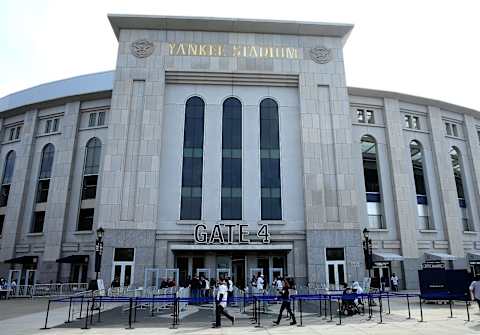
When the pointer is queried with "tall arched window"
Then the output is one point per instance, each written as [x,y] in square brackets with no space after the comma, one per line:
[43,186]
[270,161]
[458,175]
[93,152]
[232,160]
[416,153]
[192,172]
[7,177]
[372,182]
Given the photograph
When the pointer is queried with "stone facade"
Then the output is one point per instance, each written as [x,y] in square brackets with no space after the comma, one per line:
[161,63]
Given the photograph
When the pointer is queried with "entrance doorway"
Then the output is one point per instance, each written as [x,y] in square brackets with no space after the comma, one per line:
[238,272]
[123,262]
[335,267]
[381,275]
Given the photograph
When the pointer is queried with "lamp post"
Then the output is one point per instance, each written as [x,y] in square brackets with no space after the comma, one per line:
[367,251]
[98,251]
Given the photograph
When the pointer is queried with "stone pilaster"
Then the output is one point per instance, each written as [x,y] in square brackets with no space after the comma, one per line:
[403,193]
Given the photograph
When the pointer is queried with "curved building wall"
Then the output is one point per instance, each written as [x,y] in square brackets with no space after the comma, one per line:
[137,113]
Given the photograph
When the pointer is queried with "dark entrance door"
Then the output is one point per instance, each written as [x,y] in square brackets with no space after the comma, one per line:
[238,271]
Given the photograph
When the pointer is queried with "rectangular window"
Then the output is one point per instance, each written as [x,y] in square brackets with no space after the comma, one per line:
[101,119]
[2,219]
[335,254]
[85,219]
[407,119]
[454,130]
[4,192]
[92,120]
[42,190]
[11,137]
[415,122]
[38,221]
[361,115]
[478,134]
[370,117]
[124,254]
[17,132]
[55,125]
[448,128]
[48,126]
[375,221]
[89,187]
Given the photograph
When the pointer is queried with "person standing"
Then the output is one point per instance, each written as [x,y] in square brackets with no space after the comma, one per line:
[221,304]
[260,283]
[475,291]
[230,291]
[285,296]
[394,281]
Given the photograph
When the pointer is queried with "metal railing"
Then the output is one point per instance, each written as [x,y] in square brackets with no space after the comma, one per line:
[47,290]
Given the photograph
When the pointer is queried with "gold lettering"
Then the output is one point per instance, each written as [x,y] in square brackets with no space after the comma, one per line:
[220,50]
[171,47]
[192,49]
[181,49]
[253,51]
[236,51]
[203,51]
[244,51]
[292,53]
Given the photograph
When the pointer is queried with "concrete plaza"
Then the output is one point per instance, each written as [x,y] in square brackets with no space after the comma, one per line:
[28,316]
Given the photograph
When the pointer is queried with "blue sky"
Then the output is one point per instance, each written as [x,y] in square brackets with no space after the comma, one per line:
[427,48]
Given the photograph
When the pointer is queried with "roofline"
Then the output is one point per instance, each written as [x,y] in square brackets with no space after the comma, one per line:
[102,83]
[235,25]
[373,93]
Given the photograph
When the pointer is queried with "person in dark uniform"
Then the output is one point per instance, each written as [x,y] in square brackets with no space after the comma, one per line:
[285,296]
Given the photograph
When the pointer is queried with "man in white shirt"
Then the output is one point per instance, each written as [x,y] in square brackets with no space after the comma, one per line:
[279,284]
[394,281]
[260,283]
[475,291]
[221,304]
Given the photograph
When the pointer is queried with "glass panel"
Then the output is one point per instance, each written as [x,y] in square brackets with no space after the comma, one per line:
[4,193]
[124,254]
[92,120]
[457,172]
[370,167]
[192,171]
[42,190]
[370,117]
[361,115]
[89,187]
[55,125]
[101,118]
[331,274]
[2,220]
[182,265]
[47,161]
[8,169]
[92,156]
[12,134]
[197,263]
[335,254]
[417,163]
[128,275]
[341,274]
[231,204]
[117,272]
[17,132]
[48,126]
[38,220]
[85,219]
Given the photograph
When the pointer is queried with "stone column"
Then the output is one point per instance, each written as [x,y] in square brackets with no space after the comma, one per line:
[403,194]
[447,190]
[18,190]
[59,192]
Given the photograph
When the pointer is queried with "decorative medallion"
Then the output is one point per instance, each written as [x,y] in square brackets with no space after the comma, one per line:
[320,55]
[142,48]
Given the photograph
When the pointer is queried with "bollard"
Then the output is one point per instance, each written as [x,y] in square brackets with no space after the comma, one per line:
[69,310]
[408,304]
[468,312]
[258,325]
[86,317]
[381,308]
[46,316]
[99,309]
[93,308]
[301,313]
[421,310]
[244,301]
[388,302]
[130,314]
[451,312]
[325,308]
[330,302]
[339,313]
[319,306]
[135,311]
[81,307]
[370,310]
[153,304]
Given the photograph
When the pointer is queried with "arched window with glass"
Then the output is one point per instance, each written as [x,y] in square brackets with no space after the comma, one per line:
[271,195]
[192,170]
[416,154]
[7,177]
[91,167]
[457,167]
[372,182]
[231,206]
[43,187]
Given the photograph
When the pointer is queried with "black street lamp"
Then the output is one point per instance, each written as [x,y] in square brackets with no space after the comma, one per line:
[98,251]
[367,251]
